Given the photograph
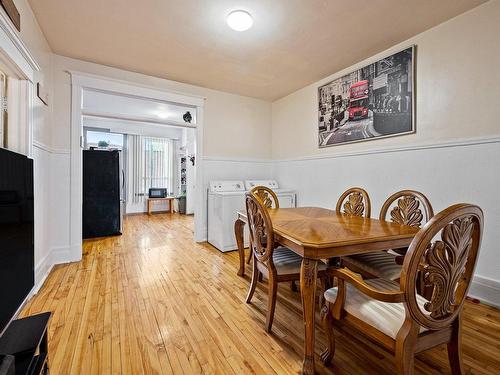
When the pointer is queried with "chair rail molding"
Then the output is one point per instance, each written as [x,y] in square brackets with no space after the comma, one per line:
[237,159]
[461,142]
[50,149]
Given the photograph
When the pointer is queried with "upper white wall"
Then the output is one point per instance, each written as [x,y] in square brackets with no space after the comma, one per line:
[457,90]
[234,126]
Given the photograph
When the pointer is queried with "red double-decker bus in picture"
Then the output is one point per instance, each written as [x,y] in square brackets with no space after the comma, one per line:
[358,100]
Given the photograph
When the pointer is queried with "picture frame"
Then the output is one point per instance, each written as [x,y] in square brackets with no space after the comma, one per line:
[11,10]
[373,102]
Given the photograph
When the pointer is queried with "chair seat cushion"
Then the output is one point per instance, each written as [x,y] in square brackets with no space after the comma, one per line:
[381,264]
[288,262]
[385,317]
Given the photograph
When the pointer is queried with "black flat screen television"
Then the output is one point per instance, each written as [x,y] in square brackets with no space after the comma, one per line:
[17,275]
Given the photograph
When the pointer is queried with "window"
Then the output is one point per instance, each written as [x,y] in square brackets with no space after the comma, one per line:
[152,165]
[157,164]
[105,140]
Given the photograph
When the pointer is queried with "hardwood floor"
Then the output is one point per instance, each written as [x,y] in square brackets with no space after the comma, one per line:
[154,302]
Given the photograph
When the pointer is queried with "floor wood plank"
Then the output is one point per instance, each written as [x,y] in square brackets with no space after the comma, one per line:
[153,301]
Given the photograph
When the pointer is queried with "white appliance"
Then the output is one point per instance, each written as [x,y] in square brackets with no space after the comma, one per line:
[286,197]
[225,199]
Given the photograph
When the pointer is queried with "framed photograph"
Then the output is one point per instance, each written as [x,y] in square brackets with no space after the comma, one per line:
[373,102]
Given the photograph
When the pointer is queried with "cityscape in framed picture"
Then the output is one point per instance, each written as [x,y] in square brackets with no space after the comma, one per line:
[372,102]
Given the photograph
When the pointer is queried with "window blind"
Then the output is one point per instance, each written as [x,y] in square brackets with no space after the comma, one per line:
[152,165]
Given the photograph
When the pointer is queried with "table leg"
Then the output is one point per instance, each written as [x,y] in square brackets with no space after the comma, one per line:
[308,277]
[238,232]
[149,207]
[171,206]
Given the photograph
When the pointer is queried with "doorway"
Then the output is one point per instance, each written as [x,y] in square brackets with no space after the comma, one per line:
[148,118]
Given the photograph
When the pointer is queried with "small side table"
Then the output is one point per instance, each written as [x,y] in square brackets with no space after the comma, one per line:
[169,199]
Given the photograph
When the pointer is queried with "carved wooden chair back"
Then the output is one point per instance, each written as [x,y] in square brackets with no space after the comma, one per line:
[446,264]
[267,196]
[355,202]
[260,228]
[407,207]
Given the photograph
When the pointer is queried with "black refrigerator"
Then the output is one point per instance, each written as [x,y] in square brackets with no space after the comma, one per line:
[103,203]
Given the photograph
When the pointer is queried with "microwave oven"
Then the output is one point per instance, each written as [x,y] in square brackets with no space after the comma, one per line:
[157,193]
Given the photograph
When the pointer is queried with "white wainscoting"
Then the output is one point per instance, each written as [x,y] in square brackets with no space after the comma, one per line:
[60,200]
[450,173]
[51,209]
[43,261]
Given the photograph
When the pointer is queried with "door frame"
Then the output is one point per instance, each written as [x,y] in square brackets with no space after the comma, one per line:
[84,81]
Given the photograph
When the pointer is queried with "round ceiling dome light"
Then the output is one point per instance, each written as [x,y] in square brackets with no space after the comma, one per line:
[239,20]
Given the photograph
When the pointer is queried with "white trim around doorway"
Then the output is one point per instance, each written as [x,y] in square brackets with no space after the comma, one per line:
[83,81]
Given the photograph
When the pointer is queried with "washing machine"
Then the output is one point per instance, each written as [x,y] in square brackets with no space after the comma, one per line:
[286,197]
[225,199]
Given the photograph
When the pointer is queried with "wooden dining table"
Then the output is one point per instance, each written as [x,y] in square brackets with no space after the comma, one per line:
[317,233]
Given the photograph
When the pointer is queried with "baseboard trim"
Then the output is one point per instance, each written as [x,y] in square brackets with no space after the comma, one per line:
[42,271]
[202,238]
[57,255]
[486,290]
[65,254]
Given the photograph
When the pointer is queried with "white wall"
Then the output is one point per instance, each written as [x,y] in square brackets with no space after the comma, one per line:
[234,126]
[245,121]
[457,90]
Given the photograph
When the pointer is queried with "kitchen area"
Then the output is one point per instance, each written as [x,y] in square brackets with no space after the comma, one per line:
[137,159]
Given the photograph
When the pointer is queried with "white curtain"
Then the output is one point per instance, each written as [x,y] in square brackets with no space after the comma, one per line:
[137,154]
[152,165]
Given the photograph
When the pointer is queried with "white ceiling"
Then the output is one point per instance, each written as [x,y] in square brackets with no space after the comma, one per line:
[292,43]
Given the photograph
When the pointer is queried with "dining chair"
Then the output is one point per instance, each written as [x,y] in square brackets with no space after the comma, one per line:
[266,195]
[276,263]
[406,207]
[269,199]
[355,202]
[393,314]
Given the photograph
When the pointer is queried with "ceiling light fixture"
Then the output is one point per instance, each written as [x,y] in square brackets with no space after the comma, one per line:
[239,20]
